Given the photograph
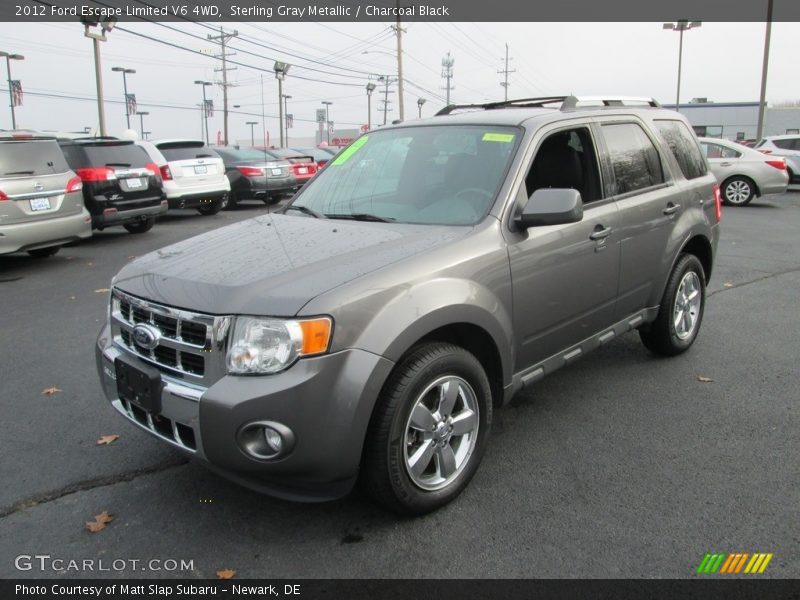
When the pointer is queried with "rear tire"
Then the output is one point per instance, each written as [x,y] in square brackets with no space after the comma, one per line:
[210,209]
[428,431]
[738,191]
[233,200]
[141,226]
[44,252]
[681,310]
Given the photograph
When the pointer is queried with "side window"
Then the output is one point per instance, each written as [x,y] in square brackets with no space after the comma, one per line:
[786,144]
[683,146]
[634,158]
[718,151]
[566,159]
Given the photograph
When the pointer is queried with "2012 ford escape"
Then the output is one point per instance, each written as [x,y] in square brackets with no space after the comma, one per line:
[432,270]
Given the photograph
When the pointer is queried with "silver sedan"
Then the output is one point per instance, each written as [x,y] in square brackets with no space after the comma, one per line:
[744,173]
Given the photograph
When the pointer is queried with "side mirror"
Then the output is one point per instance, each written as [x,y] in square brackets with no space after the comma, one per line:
[551,206]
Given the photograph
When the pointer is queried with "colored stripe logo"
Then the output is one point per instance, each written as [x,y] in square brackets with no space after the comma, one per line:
[734,563]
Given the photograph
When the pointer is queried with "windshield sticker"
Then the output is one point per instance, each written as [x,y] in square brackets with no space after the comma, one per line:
[505,138]
[348,153]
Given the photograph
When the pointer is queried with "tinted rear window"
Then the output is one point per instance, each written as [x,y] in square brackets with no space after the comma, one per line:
[186,151]
[31,158]
[684,148]
[245,154]
[101,155]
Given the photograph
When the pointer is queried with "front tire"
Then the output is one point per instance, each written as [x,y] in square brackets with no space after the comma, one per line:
[681,310]
[141,226]
[429,429]
[738,191]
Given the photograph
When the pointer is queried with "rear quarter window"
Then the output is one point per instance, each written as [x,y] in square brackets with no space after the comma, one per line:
[31,158]
[683,145]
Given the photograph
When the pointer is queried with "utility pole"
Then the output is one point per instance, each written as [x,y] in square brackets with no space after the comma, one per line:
[447,74]
[505,73]
[385,80]
[762,102]
[399,31]
[223,38]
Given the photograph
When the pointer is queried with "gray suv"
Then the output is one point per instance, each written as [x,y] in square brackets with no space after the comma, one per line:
[429,272]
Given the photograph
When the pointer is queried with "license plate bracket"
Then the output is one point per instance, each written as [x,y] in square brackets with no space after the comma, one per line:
[139,384]
[40,204]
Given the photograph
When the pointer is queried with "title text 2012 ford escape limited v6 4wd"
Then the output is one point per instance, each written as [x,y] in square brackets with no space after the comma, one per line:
[429,272]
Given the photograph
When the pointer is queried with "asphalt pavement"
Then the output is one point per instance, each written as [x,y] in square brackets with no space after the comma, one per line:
[622,465]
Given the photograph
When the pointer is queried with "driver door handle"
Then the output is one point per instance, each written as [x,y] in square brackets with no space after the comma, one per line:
[672,208]
[600,233]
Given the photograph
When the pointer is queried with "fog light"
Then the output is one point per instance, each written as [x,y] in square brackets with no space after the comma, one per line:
[273,439]
[265,440]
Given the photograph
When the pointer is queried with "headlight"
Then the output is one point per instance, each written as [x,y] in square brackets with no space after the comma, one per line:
[262,346]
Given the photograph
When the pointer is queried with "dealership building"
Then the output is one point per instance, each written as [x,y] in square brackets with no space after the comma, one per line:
[738,120]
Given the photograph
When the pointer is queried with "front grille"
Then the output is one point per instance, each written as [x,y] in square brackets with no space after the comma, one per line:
[173,431]
[190,346]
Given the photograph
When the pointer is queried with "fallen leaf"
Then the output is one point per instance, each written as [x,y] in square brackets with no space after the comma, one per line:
[107,439]
[728,284]
[226,574]
[100,522]
[132,257]
[101,290]
[50,391]
[703,379]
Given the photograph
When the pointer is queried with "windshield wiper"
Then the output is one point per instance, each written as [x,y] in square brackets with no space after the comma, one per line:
[360,217]
[306,211]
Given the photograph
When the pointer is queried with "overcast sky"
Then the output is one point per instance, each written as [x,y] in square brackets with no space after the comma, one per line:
[721,61]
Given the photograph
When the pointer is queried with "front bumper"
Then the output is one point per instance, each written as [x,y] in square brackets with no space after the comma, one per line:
[326,401]
[44,233]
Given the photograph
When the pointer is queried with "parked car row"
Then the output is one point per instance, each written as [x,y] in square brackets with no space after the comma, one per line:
[56,189]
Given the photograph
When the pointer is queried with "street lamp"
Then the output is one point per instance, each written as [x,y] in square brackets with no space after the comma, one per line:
[286,115]
[281,69]
[420,102]
[370,88]
[204,108]
[252,132]
[680,27]
[125,72]
[327,104]
[106,24]
[9,58]
[142,114]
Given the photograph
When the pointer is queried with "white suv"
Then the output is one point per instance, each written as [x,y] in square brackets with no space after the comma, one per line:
[193,174]
[787,146]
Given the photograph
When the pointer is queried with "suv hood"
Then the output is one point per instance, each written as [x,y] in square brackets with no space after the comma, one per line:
[274,264]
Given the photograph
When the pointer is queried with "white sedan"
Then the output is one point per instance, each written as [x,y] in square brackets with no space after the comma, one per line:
[744,173]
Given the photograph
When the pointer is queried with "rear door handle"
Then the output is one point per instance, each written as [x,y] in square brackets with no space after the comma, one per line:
[671,208]
[600,233]
[726,164]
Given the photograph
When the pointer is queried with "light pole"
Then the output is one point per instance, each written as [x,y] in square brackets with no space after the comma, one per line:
[204,108]
[106,25]
[252,132]
[281,69]
[370,88]
[420,102]
[9,58]
[327,104]
[286,115]
[142,114]
[680,27]
[125,72]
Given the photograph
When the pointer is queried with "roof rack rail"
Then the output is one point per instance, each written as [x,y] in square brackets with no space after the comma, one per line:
[518,103]
[572,102]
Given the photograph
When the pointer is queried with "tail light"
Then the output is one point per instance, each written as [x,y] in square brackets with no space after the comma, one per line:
[153,168]
[166,174]
[250,171]
[310,168]
[96,174]
[717,203]
[778,164]
[3,196]
[74,185]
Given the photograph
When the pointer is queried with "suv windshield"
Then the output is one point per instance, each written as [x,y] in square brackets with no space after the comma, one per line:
[31,158]
[446,175]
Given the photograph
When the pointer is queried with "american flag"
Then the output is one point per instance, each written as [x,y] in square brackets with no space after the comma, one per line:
[130,101]
[16,92]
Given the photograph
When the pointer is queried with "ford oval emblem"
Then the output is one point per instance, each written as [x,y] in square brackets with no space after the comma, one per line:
[146,336]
